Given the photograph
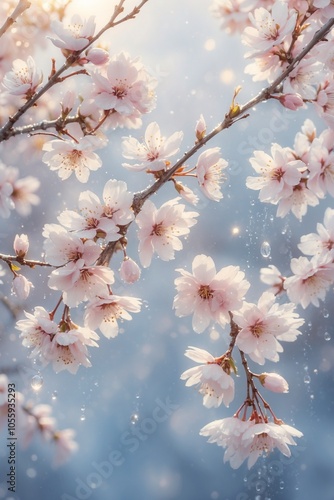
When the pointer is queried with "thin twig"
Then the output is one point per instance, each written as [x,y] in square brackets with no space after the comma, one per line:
[20,8]
[141,197]
[7,130]
[23,262]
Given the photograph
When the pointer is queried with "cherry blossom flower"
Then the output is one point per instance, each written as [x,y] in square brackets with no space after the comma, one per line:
[324,101]
[125,88]
[24,79]
[36,418]
[322,242]
[62,247]
[208,295]
[305,78]
[215,384]
[117,202]
[269,29]
[233,14]
[311,279]
[68,156]
[90,221]
[271,275]
[160,229]
[23,194]
[278,173]
[274,382]
[21,245]
[21,287]
[68,349]
[185,192]
[304,140]
[65,446]
[263,325]
[228,432]
[104,311]
[268,66]
[209,173]
[95,219]
[64,345]
[16,193]
[321,167]
[80,283]
[129,270]
[37,330]
[152,154]
[74,35]
[263,438]
[297,202]
[249,439]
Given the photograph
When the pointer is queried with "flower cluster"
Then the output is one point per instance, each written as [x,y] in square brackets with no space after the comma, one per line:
[256,330]
[32,420]
[294,179]
[153,157]
[17,193]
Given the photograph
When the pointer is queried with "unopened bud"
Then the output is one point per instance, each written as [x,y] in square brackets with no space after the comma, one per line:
[274,382]
[129,271]
[291,101]
[200,129]
[97,56]
[21,287]
[21,245]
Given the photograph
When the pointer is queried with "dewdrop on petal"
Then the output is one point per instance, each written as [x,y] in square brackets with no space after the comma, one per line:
[274,382]
[129,271]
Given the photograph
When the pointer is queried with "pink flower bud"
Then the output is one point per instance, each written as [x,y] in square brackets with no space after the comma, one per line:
[200,129]
[21,245]
[21,287]
[129,271]
[68,103]
[274,382]
[291,101]
[97,56]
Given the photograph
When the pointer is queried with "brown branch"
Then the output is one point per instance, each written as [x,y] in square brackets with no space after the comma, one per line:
[23,262]
[141,197]
[20,8]
[7,130]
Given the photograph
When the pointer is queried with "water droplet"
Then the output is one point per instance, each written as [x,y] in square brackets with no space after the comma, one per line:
[265,249]
[83,415]
[307,379]
[31,472]
[134,418]
[36,382]
[54,395]
[137,396]
[327,336]
[315,371]
[281,485]
[325,313]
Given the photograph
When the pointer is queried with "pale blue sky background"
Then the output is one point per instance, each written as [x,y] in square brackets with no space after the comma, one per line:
[139,370]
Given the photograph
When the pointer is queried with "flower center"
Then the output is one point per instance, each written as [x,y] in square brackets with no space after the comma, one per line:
[205,292]
[158,229]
